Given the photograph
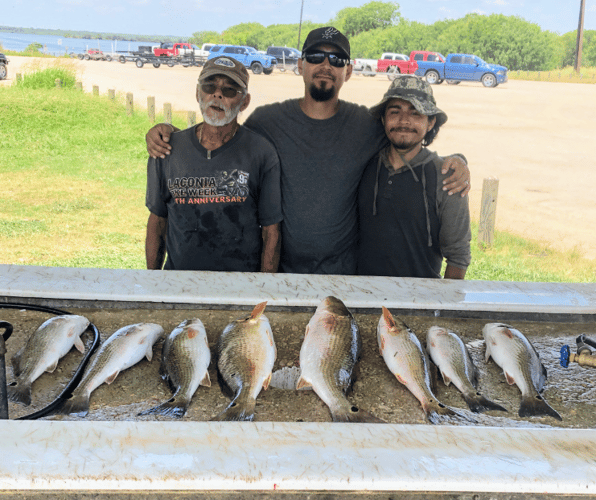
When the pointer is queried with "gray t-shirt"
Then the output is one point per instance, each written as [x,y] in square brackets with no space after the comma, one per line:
[215,202]
[322,162]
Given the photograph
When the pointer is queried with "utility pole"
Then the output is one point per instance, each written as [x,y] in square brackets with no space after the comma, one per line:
[300,26]
[580,37]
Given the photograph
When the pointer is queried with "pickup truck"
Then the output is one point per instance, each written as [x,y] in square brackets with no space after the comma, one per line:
[462,67]
[167,53]
[3,63]
[258,63]
[369,67]
[395,66]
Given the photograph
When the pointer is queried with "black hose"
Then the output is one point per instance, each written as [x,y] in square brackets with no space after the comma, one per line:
[75,380]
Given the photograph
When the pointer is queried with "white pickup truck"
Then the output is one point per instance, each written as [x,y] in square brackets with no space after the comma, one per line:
[368,67]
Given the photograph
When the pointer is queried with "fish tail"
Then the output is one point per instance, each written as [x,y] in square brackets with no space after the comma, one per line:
[173,407]
[354,414]
[237,412]
[478,404]
[536,406]
[77,405]
[19,392]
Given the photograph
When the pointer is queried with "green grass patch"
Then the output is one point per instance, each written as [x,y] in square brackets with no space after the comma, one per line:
[565,75]
[75,165]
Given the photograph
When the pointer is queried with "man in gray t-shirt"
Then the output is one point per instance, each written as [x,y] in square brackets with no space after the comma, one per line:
[323,144]
[215,201]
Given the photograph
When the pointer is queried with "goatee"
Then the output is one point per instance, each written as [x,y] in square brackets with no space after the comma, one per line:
[321,94]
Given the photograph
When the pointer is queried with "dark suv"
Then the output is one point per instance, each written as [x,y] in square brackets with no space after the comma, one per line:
[287,57]
[3,63]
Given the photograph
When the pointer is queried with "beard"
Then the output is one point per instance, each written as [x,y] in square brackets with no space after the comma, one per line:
[404,144]
[324,93]
[230,112]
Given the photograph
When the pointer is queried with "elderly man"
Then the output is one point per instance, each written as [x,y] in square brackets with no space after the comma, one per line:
[407,223]
[324,144]
[215,201]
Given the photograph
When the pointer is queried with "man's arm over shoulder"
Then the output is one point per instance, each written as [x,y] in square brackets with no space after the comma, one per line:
[158,139]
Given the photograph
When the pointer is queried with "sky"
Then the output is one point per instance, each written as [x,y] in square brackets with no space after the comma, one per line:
[185,17]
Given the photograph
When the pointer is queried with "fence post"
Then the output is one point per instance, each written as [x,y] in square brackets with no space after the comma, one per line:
[129,101]
[95,90]
[167,112]
[19,77]
[58,82]
[488,211]
[151,108]
[192,118]
[79,86]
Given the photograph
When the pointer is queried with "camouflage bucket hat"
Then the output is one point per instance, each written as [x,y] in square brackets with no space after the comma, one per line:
[417,92]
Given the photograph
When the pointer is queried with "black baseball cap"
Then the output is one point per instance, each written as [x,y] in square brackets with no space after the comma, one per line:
[327,36]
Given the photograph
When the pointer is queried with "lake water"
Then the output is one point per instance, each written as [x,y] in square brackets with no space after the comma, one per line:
[58,46]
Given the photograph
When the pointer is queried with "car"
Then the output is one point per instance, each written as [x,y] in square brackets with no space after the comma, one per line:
[287,57]
[258,63]
[3,63]
[462,67]
[94,54]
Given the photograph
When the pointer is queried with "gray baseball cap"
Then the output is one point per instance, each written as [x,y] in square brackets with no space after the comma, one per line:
[225,66]
[417,92]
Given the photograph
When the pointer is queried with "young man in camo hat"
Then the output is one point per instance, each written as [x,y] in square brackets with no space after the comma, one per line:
[407,223]
[215,202]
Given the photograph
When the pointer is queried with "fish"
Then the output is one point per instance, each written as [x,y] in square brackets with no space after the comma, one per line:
[245,354]
[452,357]
[123,349]
[48,344]
[328,356]
[408,361]
[184,362]
[521,365]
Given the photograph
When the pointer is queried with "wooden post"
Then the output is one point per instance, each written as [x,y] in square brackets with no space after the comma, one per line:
[151,108]
[58,82]
[488,211]
[129,101]
[95,90]
[79,86]
[167,112]
[192,118]
[19,77]
[112,94]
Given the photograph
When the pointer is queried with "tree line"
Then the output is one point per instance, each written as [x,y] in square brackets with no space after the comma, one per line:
[378,27]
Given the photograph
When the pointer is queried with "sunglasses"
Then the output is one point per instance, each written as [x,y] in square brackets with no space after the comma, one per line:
[336,60]
[211,88]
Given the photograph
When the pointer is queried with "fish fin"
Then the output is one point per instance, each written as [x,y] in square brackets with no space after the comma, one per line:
[267,382]
[237,413]
[354,414]
[52,367]
[149,352]
[536,406]
[474,375]
[16,363]
[112,377]
[192,332]
[258,310]
[78,343]
[446,379]
[303,384]
[478,403]
[77,405]
[509,378]
[19,393]
[173,407]
[206,380]
[388,317]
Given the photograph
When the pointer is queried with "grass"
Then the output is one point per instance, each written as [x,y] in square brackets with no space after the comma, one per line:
[565,75]
[75,167]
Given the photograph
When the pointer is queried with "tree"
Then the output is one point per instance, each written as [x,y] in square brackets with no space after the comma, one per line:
[201,37]
[371,16]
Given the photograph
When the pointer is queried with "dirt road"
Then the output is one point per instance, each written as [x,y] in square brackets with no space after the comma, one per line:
[535,137]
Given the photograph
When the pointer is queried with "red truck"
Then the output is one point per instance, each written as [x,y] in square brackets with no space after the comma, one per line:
[394,66]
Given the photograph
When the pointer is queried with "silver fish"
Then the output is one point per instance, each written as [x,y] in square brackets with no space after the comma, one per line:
[50,342]
[452,358]
[185,359]
[328,356]
[123,349]
[406,359]
[520,362]
[245,356]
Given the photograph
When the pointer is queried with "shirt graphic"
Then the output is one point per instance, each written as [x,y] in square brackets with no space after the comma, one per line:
[224,187]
